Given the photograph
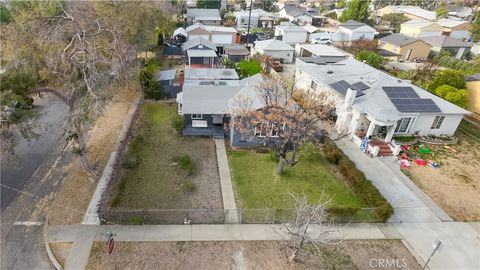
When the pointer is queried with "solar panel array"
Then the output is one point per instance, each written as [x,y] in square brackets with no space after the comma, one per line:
[360,86]
[407,100]
[342,87]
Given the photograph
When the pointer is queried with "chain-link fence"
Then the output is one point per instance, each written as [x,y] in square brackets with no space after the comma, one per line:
[222,216]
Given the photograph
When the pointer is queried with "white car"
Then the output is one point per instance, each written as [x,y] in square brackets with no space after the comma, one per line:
[322,40]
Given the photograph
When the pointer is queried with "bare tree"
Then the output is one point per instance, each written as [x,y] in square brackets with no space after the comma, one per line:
[289,118]
[81,60]
[312,226]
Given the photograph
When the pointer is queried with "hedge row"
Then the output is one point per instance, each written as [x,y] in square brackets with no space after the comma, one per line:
[357,181]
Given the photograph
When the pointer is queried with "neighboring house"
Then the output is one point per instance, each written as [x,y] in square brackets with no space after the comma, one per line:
[168,80]
[291,33]
[455,28]
[259,18]
[203,16]
[219,35]
[456,47]
[462,12]
[207,109]
[319,51]
[208,75]
[412,12]
[407,48]
[277,49]
[420,28]
[375,104]
[302,15]
[473,87]
[236,52]
[352,30]
[200,52]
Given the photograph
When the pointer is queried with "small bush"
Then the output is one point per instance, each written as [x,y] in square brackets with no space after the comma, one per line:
[310,152]
[188,186]
[185,163]
[272,156]
[178,124]
[136,220]
[331,154]
[130,161]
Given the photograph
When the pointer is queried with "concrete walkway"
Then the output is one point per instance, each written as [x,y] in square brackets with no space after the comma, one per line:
[220,232]
[418,219]
[226,182]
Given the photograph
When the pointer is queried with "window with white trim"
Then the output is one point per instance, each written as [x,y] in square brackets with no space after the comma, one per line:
[437,122]
[196,116]
[403,125]
[275,129]
[261,129]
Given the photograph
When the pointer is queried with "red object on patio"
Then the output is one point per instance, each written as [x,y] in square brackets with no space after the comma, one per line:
[420,162]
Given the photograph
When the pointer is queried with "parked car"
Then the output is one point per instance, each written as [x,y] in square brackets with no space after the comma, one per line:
[322,40]
[261,36]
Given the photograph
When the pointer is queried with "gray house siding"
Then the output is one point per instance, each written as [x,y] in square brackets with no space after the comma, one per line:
[211,129]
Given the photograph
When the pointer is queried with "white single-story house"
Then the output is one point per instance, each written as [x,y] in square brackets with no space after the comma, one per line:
[377,105]
[208,75]
[302,15]
[352,30]
[291,33]
[318,50]
[420,28]
[258,18]
[412,12]
[204,16]
[458,29]
[275,48]
[456,47]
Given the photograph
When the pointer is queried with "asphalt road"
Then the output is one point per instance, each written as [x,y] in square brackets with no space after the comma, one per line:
[26,186]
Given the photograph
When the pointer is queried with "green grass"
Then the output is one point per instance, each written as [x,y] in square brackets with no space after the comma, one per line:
[257,186]
[470,129]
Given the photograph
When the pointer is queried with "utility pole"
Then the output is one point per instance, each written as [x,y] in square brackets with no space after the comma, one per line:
[248,27]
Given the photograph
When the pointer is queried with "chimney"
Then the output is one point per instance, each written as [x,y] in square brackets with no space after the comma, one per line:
[350,97]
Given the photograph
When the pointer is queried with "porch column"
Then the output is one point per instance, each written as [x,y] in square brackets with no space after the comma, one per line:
[371,128]
[189,61]
[213,61]
[390,132]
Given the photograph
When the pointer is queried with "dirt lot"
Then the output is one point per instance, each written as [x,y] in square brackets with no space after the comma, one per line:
[358,254]
[455,186]
[77,188]
[157,181]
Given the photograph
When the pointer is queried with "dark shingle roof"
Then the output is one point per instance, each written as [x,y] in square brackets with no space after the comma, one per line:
[399,40]
[351,24]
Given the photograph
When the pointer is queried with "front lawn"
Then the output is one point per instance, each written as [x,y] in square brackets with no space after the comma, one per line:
[257,186]
[165,170]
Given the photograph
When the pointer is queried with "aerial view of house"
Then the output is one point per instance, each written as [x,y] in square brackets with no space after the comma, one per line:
[240,134]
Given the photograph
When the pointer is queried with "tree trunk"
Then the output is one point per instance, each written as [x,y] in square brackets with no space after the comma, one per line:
[281,165]
[82,144]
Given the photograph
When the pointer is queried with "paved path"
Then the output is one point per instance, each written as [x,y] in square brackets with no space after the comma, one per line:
[221,232]
[226,182]
[418,219]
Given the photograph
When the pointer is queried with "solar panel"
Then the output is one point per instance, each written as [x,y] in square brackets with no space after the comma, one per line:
[360,86]
[342,87]
[415,105]
[400,92]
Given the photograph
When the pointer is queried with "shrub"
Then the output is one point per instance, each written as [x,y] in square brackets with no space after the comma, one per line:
[178,123]
[186,163]
[359,184]
[372,58]
[188,186]
[272,155]
[130,161]
[136,220]
[249,68]
[310,152]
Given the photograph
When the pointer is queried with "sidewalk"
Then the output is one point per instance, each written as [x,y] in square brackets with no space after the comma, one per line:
[220,232]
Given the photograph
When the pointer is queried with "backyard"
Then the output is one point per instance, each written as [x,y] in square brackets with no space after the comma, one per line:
[257,186]
[351,254]
[165,170]
[455,184]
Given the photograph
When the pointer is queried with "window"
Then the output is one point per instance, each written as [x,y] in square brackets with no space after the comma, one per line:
[196,116]
[243,20]
[275,129]
[313,85]
[437,122]
[260,129]
[404,124]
